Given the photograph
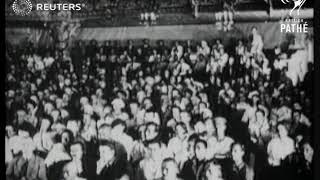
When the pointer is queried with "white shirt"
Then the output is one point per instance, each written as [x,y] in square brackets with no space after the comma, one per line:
[57,153]
[43,142]
[126,141]
[221,147]
[184,68]
[48,61]
[8,154]
[177,148]
[279,149]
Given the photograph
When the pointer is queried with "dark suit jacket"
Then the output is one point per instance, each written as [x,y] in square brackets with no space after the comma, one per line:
[191,170]
[89,168]
[114,171]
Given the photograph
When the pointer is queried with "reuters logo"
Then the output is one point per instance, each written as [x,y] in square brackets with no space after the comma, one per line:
[22,7]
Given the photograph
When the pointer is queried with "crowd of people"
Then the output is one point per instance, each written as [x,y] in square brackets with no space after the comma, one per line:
[190,111]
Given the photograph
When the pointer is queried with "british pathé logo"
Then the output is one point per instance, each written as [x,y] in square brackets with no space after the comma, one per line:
[22,7]
[296,24]
[297,4]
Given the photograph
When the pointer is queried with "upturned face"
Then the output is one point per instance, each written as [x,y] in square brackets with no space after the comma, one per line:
[150,132]
[76,151]
[237,152]
[283,132]
[106,153]
[200,151]
[308,152]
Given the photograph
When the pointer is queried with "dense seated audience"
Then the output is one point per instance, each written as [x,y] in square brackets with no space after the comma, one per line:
[185,111]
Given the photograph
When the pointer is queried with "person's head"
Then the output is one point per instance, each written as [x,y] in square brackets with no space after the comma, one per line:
[282,130]
[221,126]
[185,117]
[118,127]
[74,126]
[254,30]
[191,142]
[202,106]
[139,50]
[210,128]
[207,114]
[118,104]
[154,148]
[307,150]
[48,107]
[226,85]
[221,51]
[213,171]
[181,129]
[260,115]
[166,73]
[237,152]
[255,99]
[296,115]
[77,150]
[21,116]
[107,151]
[151,131]
[200,128]
[204,44]
[231,60]
[141,96]
[55,114]
[46,123]
[170,169]
[176,112]
[147,103]
[66,138]
[104,132]
[31,105]
[10,132]
[24,130]
[200,148]
[157,78]
[134,107]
